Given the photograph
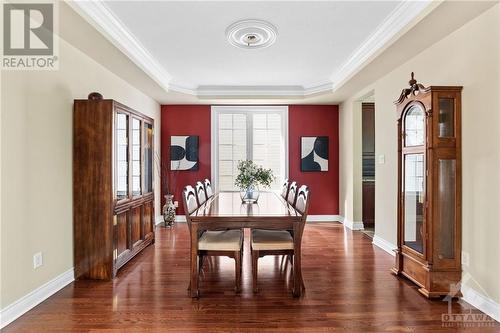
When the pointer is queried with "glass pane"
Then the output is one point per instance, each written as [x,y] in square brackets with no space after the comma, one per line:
[121,156]
[446,117]
[136,157]
[447,204]
[232,147]
[414,201]
[414,126]
[148,158]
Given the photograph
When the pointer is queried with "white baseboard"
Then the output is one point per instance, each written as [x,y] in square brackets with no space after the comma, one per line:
[324,218]
[481,302]
[15,310]
[178,218]
[353,225]
[310,218]
[384,245]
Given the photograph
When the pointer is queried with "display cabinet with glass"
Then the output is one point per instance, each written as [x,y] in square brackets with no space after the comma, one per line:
[429,195]
[113,186]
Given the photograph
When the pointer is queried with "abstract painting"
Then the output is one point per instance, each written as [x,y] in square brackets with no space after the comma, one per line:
[184,152]
[314,153]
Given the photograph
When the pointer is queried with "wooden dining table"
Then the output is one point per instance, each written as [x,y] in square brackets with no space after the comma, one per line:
[226,210]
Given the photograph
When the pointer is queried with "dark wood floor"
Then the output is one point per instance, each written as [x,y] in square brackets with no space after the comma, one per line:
[349,289]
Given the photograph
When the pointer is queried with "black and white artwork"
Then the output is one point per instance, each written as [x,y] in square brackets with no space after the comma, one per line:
[314,153]
[184,152]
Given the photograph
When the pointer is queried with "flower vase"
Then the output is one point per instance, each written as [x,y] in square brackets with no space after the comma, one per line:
[250,194]
[169,211]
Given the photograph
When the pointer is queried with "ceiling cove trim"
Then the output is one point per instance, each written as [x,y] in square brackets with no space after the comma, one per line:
[289,91]
[398,20]
[103,19]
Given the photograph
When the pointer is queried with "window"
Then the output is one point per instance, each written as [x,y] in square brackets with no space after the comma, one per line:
[258,133]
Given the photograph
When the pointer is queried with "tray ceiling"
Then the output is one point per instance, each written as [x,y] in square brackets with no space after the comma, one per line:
[183,46]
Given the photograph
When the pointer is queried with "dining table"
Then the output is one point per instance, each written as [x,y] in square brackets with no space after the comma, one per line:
[225,210]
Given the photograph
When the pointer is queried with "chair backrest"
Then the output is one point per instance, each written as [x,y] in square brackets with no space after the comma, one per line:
[189,201]
[208,188]
[284,188]
[201,195]
[302,205]
[302,201]
[292,193]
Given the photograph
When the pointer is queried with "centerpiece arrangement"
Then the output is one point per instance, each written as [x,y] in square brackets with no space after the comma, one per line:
[249,178]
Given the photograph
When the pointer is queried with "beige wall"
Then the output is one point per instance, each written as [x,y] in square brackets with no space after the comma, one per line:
[469,57]
[36,169]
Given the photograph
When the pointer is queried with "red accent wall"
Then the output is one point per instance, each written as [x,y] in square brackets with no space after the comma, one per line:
[303,120]
[186,120]
[316,120]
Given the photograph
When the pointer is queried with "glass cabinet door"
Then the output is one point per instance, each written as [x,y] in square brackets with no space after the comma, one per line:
[122,156]
[136,157]
[414,125]
[148,158]
[413,196]
[446,118]
[446,202]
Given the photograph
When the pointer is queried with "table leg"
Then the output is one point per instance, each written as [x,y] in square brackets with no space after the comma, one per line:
[297,261]
[194,261]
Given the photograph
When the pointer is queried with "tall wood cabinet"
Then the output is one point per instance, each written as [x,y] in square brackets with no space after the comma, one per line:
[113,199]
[429,188]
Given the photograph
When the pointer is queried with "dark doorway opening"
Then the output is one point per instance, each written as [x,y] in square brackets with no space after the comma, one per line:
[368,142]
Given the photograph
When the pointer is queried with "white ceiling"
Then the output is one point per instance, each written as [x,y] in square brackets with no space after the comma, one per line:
[182,44]
[188,39]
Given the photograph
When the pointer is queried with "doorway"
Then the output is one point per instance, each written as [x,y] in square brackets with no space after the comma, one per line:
[368,167]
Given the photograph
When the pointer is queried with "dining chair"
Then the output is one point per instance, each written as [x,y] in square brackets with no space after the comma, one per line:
[201,194]
[284,189]
[292,193]
[208,188]
[279,242]
[227,243]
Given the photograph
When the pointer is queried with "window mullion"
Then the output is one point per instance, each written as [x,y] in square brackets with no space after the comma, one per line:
[249,136]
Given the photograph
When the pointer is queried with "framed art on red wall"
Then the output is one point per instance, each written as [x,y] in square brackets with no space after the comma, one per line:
[314,153]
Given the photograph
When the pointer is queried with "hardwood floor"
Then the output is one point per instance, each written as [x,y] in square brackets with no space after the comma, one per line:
[349,289]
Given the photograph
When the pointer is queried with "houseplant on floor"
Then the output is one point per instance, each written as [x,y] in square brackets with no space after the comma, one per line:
[250,176]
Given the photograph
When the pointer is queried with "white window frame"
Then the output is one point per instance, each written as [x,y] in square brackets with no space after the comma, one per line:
[250,109]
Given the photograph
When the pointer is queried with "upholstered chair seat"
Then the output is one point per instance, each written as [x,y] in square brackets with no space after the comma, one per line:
[271,240]
[227,240]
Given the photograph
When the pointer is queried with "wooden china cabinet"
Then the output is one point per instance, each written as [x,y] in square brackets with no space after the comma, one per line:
[113,199]
[429,188]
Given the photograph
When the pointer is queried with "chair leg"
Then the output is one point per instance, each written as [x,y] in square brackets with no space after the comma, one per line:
[201,259]
[237,260]
[255,259]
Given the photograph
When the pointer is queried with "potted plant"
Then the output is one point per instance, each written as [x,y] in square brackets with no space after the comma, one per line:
[249,178]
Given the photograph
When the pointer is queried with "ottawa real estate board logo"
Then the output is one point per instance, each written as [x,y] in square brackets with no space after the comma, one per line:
[29,40]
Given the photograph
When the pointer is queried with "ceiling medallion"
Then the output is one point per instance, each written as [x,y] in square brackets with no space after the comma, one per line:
[251,34]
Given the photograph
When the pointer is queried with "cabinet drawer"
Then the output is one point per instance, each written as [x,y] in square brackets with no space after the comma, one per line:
[414,270]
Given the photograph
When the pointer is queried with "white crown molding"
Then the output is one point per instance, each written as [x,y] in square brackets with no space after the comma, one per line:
[326,87]
[103,19]
[382,37]
[384,245]
[258,91]
[16,309]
